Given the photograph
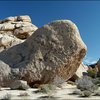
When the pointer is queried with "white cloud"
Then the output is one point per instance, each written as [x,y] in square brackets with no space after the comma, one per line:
[93,62]
[89,60]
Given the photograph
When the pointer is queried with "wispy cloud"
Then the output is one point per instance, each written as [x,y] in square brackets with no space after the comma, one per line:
[89,60]
[93,62]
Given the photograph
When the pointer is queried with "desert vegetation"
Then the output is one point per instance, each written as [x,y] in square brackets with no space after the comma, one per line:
[89,84]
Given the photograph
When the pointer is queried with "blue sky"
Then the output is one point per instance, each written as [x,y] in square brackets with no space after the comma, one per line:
[85,14]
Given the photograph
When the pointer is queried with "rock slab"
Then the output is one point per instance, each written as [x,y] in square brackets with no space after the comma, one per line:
[53,52]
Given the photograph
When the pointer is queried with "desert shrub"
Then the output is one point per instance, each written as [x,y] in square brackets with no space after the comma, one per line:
[94,88]
[45,88]
[86,93]
[58,80]
[49,89]
[92,73]
[96,81]
[86,83]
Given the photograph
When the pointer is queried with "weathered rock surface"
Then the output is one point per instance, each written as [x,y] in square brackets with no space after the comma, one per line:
[24,30]
[54,50]
[81,71]
[19,84]
[14,30]
[24,18]
[6,40]
[9,19]
[6,27]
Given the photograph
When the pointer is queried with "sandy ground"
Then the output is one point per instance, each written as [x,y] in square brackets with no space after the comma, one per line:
[61,94]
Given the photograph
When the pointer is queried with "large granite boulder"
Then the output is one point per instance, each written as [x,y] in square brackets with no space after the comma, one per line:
[51,55]
[14,30]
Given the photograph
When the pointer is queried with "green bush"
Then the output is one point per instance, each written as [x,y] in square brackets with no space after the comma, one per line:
[92,73]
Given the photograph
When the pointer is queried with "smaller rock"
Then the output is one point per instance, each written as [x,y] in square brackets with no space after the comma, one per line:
[24,32]
[19,84]
[24,18]
[22,24]
[9,19]
[5,40]
[8,41]
[7,27]
[4,66]
[81,71]
[10,33]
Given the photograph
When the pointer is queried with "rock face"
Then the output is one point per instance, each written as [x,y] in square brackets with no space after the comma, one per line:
[14,29]
[53,52]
